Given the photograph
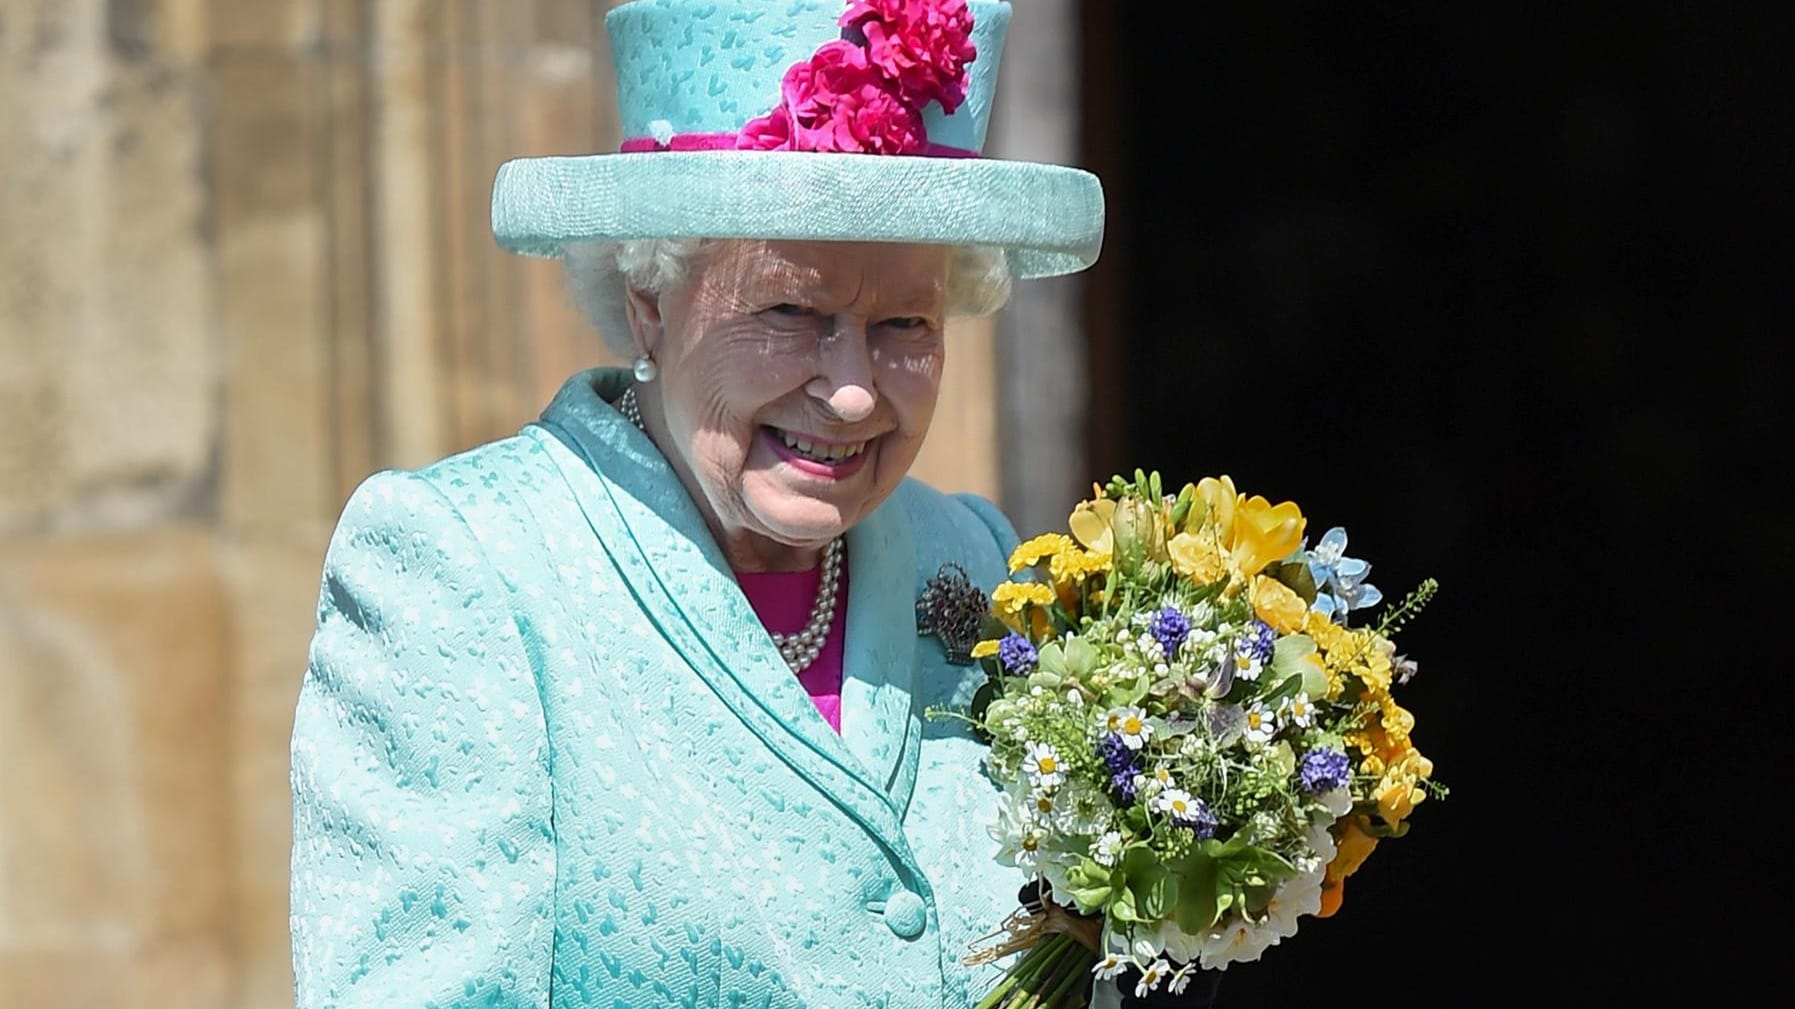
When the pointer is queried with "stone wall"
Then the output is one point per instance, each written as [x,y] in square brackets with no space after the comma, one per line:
[244,261]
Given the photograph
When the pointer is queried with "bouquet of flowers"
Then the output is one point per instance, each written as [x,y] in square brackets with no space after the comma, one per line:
[1197,744]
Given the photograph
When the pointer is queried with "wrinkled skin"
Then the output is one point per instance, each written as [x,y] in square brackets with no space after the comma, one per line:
[839,342]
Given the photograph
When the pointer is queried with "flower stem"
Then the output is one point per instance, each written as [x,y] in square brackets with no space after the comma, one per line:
[1068,993]
[1053,983]
[1033,962]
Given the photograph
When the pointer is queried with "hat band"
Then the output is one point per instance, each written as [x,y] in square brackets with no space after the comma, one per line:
[732,141]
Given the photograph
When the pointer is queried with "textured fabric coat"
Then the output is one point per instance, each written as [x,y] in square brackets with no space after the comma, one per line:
[545,756]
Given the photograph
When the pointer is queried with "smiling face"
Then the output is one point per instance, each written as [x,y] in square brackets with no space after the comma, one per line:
[797,381]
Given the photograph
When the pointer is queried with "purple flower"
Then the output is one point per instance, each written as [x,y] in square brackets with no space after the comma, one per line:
[1169,628]
[1324,771]
[1200,819]
[1016,654]
[1258,641]
[1116,754]
[1123,765]
[1122,783]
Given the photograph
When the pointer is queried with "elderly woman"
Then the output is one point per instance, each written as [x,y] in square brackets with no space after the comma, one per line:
[628,710]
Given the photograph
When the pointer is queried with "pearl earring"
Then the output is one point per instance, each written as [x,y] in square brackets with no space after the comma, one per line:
[646,369]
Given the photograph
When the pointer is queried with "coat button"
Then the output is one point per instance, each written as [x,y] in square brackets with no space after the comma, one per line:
[906,915]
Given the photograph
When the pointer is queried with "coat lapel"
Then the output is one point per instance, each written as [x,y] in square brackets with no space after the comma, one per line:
[880,722]
[647,522]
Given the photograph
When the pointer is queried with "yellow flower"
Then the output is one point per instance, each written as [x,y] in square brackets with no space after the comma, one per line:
[1137,532]
[1221,498]
[1027,555]
[1264,532]
[1396,722]
[1355,846]
[1400,789]
[1090,523]
[1197,556]
[984,649]
[1010,597]
[1074,565]
[1278,605]
[1375,665]
[1396,798]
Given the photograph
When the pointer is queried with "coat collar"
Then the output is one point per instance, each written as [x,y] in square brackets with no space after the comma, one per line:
[643,516]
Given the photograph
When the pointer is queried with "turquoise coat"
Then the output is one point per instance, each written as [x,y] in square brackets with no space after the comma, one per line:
[545,756]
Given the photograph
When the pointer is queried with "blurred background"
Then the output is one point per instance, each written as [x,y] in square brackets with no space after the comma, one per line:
[1504,292]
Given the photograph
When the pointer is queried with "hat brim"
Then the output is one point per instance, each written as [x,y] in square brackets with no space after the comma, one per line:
[1047,218]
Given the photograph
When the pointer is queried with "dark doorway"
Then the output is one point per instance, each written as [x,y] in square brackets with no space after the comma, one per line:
[1506,294]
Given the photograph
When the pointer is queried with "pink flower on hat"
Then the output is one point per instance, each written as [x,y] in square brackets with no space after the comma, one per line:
[837,101]
[771,132]
[923,45]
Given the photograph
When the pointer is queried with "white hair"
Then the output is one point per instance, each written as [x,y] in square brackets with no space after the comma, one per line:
[599,273]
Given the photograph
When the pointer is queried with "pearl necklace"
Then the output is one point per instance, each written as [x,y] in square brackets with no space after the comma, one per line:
[801,649]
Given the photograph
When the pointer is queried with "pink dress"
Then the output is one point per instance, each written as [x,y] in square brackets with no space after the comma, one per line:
[782,601]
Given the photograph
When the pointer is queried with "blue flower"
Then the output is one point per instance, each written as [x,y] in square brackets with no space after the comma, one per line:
[1169,627]
[1123,764]
[1122,783]
[1259,642]
[1017,654]
[1324,770]
[1340,584]
[1117,756]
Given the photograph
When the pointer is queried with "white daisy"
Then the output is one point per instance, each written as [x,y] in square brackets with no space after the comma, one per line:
[1043,765]
[1108,967]
[1131,724]
[1107,849]
[1181,979]
[1247,668]
[1028,850]
[1151,975]
[1298,710]
[1176,801]
[1261,723]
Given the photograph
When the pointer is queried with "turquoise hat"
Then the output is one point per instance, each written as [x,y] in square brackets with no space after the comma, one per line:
[805,119]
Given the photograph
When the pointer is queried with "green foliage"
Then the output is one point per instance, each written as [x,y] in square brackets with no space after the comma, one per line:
[1220,876]
[1296,575]
[1152,883]
[1411,605]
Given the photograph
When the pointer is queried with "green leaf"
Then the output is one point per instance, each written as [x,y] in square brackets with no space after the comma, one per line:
[1155,887]
[1050,658]
[1181,508]
[1122,908]
[1081,657]
[1287,687]
[1091,900]
[1088,873]
[1290,658]
[1297,576]
[1197,907]
[1280,761]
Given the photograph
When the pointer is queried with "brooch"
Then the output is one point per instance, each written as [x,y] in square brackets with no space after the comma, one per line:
[953,609]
